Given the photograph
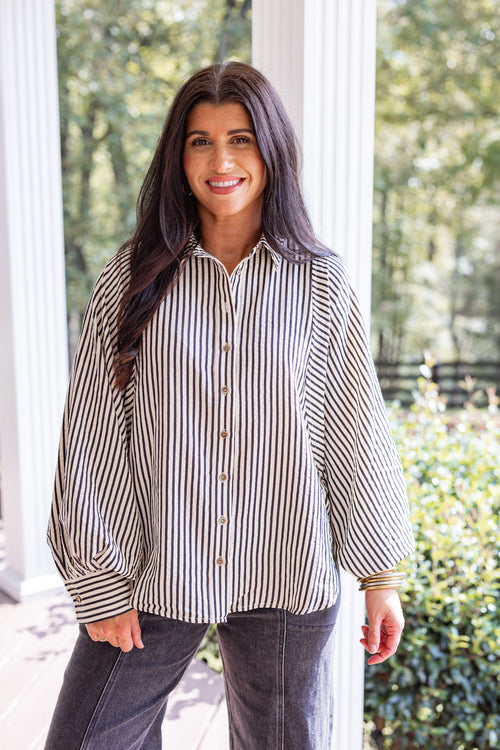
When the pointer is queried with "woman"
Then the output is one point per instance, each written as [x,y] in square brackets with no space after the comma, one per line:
[224,447]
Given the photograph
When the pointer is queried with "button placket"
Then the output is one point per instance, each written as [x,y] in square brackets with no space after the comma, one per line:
[229,398]
[223,434]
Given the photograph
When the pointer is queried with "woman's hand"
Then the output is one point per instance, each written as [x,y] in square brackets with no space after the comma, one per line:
[122,631]
[385,624]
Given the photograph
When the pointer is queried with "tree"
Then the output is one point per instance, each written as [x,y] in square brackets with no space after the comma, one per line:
[437,173]
[120,64]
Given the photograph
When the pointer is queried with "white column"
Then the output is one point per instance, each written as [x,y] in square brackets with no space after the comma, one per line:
[33,348]
[320,55]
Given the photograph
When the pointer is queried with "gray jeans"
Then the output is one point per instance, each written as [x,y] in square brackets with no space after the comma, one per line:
[277,671]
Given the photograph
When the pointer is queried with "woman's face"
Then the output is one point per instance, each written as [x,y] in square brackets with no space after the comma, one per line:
[222,162]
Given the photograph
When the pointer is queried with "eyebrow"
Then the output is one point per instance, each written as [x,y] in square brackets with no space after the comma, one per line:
[229,132]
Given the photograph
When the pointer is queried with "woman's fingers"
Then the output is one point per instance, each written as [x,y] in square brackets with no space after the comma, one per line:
[122,631]
[136,632]
[388,645]
[382,635]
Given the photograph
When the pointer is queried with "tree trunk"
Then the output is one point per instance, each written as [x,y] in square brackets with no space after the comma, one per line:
[383,353]
[226,34]
[119,163]
[454,298]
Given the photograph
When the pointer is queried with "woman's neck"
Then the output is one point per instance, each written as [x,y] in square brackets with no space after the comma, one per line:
[229,244]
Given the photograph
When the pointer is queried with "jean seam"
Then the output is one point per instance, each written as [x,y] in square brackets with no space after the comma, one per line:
[228,704]
[328,626]
[281,681]
[97,710]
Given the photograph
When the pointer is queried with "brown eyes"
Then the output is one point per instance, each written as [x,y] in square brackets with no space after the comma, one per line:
[239,140]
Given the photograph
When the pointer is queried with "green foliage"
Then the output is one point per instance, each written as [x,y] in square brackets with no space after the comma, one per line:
[209,651]
[120,64]
[437,175]
[441,690]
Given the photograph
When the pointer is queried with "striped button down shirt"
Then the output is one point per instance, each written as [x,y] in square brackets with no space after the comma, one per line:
[249,456]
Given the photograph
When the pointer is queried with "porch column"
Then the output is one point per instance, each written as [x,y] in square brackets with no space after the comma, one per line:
[320,55]
[33,358]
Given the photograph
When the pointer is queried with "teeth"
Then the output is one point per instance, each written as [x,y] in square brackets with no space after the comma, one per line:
[229,183]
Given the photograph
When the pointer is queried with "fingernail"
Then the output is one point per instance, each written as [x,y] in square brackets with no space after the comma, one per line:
[372,648]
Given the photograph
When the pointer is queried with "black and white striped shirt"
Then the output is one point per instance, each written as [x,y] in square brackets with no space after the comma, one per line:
[249,455]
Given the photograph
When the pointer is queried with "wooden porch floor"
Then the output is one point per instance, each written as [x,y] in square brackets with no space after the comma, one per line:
[37,637]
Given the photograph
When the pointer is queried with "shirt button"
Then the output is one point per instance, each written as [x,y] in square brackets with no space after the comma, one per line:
[222,520]
[223,477]
[238,270]
[226,347]
[224,390]
[224,433]
[78,599]
[220,561]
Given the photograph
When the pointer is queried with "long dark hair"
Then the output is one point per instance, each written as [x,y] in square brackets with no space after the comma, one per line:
[167,214]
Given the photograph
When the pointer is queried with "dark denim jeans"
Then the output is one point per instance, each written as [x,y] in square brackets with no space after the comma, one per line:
[277,672]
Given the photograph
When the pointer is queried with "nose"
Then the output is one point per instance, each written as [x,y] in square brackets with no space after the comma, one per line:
[222,160]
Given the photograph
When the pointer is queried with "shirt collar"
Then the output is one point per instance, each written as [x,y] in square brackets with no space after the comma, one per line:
[195,248]
[276,257]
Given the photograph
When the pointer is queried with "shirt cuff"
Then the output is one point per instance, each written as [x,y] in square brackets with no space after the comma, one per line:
[100,595]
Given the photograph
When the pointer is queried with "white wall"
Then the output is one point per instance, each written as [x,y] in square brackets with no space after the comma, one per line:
[320,55]
[33,364]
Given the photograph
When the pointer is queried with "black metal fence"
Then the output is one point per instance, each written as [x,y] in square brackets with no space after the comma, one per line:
[398,380]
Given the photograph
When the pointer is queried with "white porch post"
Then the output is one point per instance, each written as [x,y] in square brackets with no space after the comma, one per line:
[320,55]
[33,358]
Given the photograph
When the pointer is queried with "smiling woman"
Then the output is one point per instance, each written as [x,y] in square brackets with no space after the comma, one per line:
[169,212]
[227,176]
[225,445]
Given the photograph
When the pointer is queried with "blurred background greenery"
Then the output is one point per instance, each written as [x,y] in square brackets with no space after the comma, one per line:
[436,263]
[436,260]
[120,63]
[441,690]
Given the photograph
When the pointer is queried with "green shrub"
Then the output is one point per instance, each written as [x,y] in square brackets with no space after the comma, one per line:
[209,651]
[441,689]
